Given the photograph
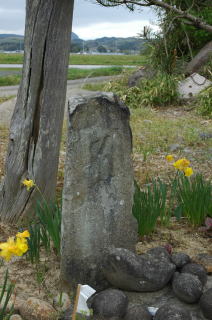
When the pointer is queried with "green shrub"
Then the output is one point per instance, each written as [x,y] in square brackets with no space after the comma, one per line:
[204,103]
[34,243]
[155,92]
[149,205]
[49,215]
[45,230]
[193,198]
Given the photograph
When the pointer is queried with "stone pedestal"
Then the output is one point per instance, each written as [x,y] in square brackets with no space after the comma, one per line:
[98,187]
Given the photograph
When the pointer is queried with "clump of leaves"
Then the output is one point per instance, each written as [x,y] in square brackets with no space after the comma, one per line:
[49,215]
[149,205]
[5,295]
[45,231]
[204,103]
[158,91]
[193,198]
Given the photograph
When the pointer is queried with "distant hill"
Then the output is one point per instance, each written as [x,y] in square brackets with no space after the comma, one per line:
[108,44]
[14,42]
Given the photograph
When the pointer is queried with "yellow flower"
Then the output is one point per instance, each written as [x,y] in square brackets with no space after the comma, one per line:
[8,249]
[21,246]
[181,164]
[13,247]
[28,184]
[5,253]
[24,234]
[169,157]
[188,171]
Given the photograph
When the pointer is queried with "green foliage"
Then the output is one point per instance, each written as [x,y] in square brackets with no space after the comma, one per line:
[5,295]
[204,103]
[158,91]
[10,80]
[193,198]
[49,215]
[178,42]
[34,243]
[129,60]
[75,73]
[45,230]
[149,205]
[189,197]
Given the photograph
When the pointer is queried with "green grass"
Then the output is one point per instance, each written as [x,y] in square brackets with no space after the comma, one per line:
[8,58]
[3,99]
[10,80]
[94,86]
[84,73]
[73,74]
[108,59]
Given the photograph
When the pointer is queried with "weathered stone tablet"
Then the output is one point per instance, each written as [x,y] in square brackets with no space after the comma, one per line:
[98,187]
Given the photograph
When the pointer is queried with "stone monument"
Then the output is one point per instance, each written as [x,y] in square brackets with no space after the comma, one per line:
[98,187]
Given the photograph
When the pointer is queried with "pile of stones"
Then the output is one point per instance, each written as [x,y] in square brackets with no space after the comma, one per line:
[178,287]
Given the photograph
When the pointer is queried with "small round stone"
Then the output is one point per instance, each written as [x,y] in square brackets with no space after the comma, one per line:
[108,303]
[180,259]
[171,312]
[187,287]
[196,269]
[206,304]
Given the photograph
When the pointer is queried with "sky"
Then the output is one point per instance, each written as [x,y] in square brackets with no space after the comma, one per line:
[90,21]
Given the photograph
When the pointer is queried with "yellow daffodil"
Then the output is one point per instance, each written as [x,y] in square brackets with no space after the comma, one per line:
[24,234]
[188,171]
[8,249]
[169,157]
[5,253]
[28,184]
[181,164]
[21,246]
[14,246]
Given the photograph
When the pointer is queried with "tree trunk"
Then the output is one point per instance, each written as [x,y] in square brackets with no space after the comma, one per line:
[203,56]
[36,124]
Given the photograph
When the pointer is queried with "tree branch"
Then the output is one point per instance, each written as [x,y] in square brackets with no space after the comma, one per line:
[195,21]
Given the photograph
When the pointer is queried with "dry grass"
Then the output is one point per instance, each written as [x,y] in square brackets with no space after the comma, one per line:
[154,131]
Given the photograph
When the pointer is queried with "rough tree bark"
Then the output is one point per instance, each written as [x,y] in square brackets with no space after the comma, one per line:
[203,56]
[36,124]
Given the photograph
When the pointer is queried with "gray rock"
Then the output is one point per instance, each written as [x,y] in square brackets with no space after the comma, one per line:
[159,252]
[205,135]
[187,287]
[205,260]
[192,85]
[180,259]
[137,312]
[98,188]
[164,296]
[34,309]
[139,75]
[147,121]
[108,303]
[172,312]
[206,303]
[128,271]
[174,147]
[196,269]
